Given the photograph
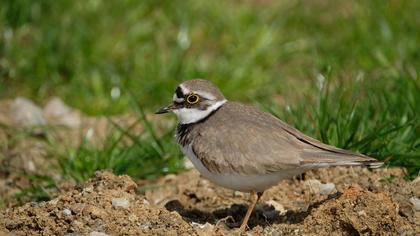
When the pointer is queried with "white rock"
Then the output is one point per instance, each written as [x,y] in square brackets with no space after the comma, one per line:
[416,203]
[120,202]
[26,114]
[30,166]
[56,107]
[53,202]
[238,194]
[327,189]
[416,180]
[313,185]
[88,189]
[188,164]
[279,207]
[319,188]
[203,229]
[361,213]
[58,113]
[145,202]
[95,233]
[67,212]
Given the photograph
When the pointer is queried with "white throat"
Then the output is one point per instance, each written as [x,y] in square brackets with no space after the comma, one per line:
[191,115]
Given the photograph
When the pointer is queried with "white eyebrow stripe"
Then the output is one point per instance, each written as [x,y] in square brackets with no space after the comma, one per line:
[184,89]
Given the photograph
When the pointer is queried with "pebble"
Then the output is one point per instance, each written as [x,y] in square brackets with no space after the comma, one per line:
[56,107]
[279,207]
[319,188]
[188,164]
[26,114]
[416,180]
[67,212]
[204,229]
[327,189]
[120,202]
[416,203]
[361,213]
[58,113]
[88,189]
[95,233]
[238,194]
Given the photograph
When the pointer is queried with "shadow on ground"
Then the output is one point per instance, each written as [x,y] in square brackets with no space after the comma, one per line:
[263,214]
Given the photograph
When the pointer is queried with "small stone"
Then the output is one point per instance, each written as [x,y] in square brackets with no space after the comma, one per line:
[327,189]
[279,207]
[120,202]
[95,233]
[416,203]
[238,194]
[26,114]
[203,229]
[416,180]
[67,212]
[317,187]
[361,213]
[53,202]
[56,108]
[188,164]
[30,166]
[58,113]
[88,189]
[313,185]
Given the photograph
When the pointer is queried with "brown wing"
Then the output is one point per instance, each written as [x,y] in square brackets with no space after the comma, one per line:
[241,139]
[314,152]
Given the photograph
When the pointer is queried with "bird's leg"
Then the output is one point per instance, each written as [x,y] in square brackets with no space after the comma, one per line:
[254,199]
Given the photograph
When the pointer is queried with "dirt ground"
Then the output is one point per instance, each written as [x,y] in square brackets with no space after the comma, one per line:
[335,201]
[363,203]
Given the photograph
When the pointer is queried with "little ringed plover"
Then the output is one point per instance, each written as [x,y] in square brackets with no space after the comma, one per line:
[242,148]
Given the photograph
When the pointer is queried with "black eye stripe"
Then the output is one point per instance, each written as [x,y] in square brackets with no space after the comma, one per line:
[179,93]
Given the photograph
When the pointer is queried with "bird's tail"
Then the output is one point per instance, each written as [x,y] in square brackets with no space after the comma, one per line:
[372,164]
[326,159]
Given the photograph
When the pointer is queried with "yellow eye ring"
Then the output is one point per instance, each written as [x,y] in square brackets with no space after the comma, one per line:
[192,99]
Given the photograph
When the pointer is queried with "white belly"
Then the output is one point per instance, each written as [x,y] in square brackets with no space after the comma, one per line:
[242,183]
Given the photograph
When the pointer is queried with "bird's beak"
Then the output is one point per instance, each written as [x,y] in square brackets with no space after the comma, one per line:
[166,109]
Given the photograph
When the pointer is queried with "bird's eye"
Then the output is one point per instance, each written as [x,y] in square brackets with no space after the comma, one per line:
[193,99]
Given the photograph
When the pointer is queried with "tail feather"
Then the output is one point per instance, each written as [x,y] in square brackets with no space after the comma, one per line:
[372,164]
[326,159]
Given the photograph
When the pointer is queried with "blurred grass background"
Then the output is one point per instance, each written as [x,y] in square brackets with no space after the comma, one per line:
[345,72]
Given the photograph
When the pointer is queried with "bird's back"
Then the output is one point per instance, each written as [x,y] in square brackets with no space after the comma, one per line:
[234,137]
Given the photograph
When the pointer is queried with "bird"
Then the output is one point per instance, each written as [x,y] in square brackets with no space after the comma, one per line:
[240,147]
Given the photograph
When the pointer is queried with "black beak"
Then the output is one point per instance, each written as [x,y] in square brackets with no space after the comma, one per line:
[166,109]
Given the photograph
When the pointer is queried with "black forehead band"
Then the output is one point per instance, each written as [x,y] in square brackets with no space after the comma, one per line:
[179,93]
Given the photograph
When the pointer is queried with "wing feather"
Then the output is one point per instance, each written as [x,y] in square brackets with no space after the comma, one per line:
[240,139]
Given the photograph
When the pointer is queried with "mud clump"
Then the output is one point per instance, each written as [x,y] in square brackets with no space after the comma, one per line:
[358,212]
[365,203]
[88,209]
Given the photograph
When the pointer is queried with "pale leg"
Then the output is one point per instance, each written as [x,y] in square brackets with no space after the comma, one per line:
[254,199]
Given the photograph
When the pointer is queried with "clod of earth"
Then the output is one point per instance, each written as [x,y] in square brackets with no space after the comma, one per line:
[188,205]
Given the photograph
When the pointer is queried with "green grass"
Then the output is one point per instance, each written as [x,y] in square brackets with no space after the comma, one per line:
[382,125]
[273,53]
[143,155]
